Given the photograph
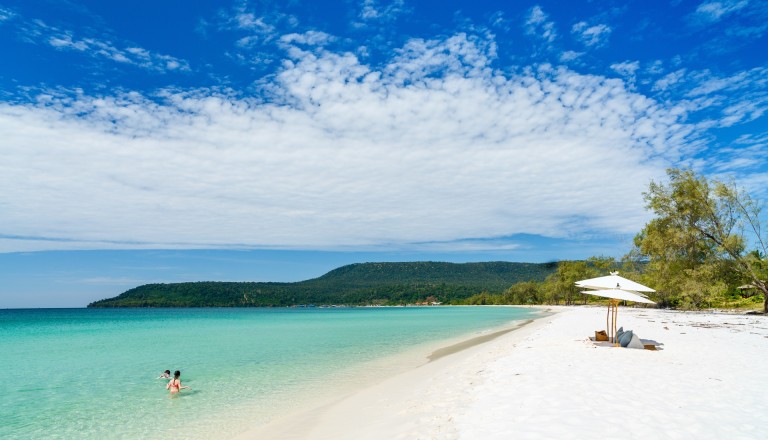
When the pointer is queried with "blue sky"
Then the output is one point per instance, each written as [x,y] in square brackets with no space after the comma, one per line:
[273,141]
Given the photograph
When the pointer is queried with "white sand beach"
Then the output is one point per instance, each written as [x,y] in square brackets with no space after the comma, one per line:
[547,380]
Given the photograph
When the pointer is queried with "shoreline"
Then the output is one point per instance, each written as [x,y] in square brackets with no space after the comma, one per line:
[546,379]
[477,340]
[314,419]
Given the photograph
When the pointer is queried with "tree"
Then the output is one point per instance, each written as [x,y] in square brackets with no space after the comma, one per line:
[698,241]
[526,292]
[563,282]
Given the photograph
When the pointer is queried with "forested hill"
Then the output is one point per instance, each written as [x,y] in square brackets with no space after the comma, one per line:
[355,284]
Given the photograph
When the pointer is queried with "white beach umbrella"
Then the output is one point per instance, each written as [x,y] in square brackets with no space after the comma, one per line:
[613,281]
[619,294]
[617,289]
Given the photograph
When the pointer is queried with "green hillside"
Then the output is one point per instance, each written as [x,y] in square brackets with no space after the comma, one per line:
[355,284]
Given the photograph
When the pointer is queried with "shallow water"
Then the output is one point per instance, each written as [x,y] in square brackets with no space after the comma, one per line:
[91,373]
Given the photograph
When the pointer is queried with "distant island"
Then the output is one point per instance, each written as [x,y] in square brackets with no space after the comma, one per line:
[354,285]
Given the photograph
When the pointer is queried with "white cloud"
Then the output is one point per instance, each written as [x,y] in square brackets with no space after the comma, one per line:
[256,28]
[626,68]
[538,24]
[311,38]
[735,99]
[735,24]
[745,159]
[591,36]
[744,112]
[497,20]
[38,31]
[714,11]
[654,68]
[381,11]
[433,147]
[669,80]
[6,14]
[461,55]
[247,20]
[706,83]
[719,101]
[570,55]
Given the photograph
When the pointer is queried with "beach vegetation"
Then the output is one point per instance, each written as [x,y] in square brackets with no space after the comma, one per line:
[705,239]
[556,289]
[526,292]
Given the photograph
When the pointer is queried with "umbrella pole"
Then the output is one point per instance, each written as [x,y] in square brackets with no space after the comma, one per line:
[608,321]
[615,305]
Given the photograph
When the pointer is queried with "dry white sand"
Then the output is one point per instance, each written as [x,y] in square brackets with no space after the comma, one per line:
[708,380]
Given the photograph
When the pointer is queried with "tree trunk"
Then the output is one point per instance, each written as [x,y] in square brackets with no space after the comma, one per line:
[762,287]
[765,302]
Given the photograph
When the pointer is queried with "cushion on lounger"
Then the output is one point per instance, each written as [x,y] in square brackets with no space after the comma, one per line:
[625,338]
[635,343]
[619,332]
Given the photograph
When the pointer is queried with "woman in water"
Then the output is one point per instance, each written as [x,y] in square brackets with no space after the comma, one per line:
[174,385]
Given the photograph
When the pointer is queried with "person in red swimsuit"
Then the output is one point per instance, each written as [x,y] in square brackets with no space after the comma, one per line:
[174,385]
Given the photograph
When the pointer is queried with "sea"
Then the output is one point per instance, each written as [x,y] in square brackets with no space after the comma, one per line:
[93,373]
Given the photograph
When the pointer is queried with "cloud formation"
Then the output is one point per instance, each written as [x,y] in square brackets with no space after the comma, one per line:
[538,24]
[381,11]
[5,14]
[591,36]
[714,11]
[731,23]
[38,32]
[433,146]
[724,100]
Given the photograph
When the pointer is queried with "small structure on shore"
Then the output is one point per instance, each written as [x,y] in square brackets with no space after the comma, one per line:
[747,290]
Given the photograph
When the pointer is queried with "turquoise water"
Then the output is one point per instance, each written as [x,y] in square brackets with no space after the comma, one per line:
[91,373]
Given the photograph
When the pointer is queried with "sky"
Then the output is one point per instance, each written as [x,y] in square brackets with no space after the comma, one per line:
[240,140]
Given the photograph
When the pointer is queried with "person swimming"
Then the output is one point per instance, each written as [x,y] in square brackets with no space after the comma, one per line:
[174,385]
[166,375]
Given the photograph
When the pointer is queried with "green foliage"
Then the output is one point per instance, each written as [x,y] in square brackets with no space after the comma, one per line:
[560,286]
[355,284]
[527,292]
[696,246]
[563,281]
